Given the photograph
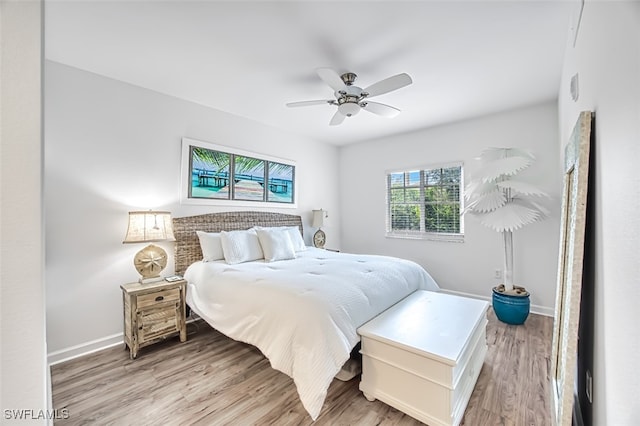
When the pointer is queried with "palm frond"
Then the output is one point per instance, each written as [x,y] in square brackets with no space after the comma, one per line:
[487,202]
[494,153]
[544,212]
[512,216]
[210,157]
[508,166]
[477,188]
[279,168]
[247,164]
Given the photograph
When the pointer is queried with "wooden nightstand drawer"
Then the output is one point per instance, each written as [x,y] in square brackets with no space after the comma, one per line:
[164,296]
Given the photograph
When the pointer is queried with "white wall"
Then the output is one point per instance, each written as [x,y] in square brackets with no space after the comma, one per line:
[607,59]
[463,267]
[111,147]
[23,372]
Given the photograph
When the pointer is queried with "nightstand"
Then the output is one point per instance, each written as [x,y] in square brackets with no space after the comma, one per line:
[153,312]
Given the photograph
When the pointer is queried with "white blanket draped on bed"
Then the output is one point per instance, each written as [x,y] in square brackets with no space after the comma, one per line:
[302,313]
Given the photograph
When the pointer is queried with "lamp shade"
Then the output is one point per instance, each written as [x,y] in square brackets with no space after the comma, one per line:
[147,226]
[318,218]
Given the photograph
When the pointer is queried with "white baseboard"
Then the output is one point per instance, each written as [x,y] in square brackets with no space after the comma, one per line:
[85,348]
[94,346]
[536,309]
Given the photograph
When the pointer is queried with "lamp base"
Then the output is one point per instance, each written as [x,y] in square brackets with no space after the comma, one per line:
[319,238]
[149,262]
[148,280]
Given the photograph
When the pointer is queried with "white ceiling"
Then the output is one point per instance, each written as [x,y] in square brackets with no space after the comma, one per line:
[250,58]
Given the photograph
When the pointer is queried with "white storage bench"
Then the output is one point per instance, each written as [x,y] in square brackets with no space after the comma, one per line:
[424,354]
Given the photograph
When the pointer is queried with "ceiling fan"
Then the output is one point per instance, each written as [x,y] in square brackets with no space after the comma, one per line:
[351,99]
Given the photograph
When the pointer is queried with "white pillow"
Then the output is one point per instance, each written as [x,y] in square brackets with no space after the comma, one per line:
[241,246]
[211,245]
[276,244]
[294,235]
[296,238]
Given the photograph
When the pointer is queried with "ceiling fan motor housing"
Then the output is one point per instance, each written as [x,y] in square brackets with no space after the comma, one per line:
[348,78]
[350,92]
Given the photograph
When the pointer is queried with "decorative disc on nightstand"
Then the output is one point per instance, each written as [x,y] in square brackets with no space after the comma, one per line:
[150,261]
[319,238]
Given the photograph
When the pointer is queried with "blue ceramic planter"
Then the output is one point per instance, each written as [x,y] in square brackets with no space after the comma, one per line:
[511,309]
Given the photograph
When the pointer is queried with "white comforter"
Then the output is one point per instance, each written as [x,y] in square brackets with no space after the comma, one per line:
[302,313]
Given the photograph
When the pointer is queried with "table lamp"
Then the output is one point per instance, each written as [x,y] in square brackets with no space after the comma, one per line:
[319,238]
[144,227]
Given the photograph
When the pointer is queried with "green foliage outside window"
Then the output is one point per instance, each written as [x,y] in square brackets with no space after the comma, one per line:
[425,200]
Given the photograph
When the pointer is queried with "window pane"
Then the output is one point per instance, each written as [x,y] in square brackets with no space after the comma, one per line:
[430,218]
[397,179]
[280,187]
[397,195]
[413,178]
[451,175]
[442,194]
[453,193]
[209,173]
[248,178]
[405,217]
[456,217]
[434,194]
[433,176]
[442,218]
[412,195]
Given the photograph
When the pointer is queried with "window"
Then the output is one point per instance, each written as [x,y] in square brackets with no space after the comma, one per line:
[425,203]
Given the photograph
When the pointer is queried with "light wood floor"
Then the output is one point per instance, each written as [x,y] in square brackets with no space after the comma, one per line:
[213,380]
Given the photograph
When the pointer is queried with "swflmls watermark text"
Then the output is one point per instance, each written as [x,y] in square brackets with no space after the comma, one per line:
[30,414]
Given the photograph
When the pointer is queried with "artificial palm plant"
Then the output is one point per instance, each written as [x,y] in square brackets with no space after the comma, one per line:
[502,202]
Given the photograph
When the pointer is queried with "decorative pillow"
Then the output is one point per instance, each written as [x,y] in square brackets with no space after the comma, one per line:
[276,244]
[211,246]
[241,246]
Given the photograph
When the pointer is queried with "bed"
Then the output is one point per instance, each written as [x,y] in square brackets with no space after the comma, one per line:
[300,311]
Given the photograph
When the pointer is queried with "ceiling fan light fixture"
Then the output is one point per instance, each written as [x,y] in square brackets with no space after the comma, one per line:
[349,108]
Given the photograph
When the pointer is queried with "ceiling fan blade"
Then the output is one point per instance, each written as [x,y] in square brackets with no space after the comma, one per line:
[381,109]
[331,77]
[389,84]
[337,118]
[307,103]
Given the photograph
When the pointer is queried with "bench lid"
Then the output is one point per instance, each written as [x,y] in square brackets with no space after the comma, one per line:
[432,324]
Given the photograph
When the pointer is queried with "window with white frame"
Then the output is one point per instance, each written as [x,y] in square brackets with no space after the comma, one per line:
[426,203]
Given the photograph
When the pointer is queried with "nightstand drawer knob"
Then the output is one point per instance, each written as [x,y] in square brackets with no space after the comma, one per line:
[159,298]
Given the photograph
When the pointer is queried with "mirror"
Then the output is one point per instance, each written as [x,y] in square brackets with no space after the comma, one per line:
[572,238]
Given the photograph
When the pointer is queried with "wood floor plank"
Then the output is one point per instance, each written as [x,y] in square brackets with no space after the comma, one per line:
[211,379]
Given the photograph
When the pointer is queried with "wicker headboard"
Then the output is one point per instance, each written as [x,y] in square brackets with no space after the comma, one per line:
[188,245]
